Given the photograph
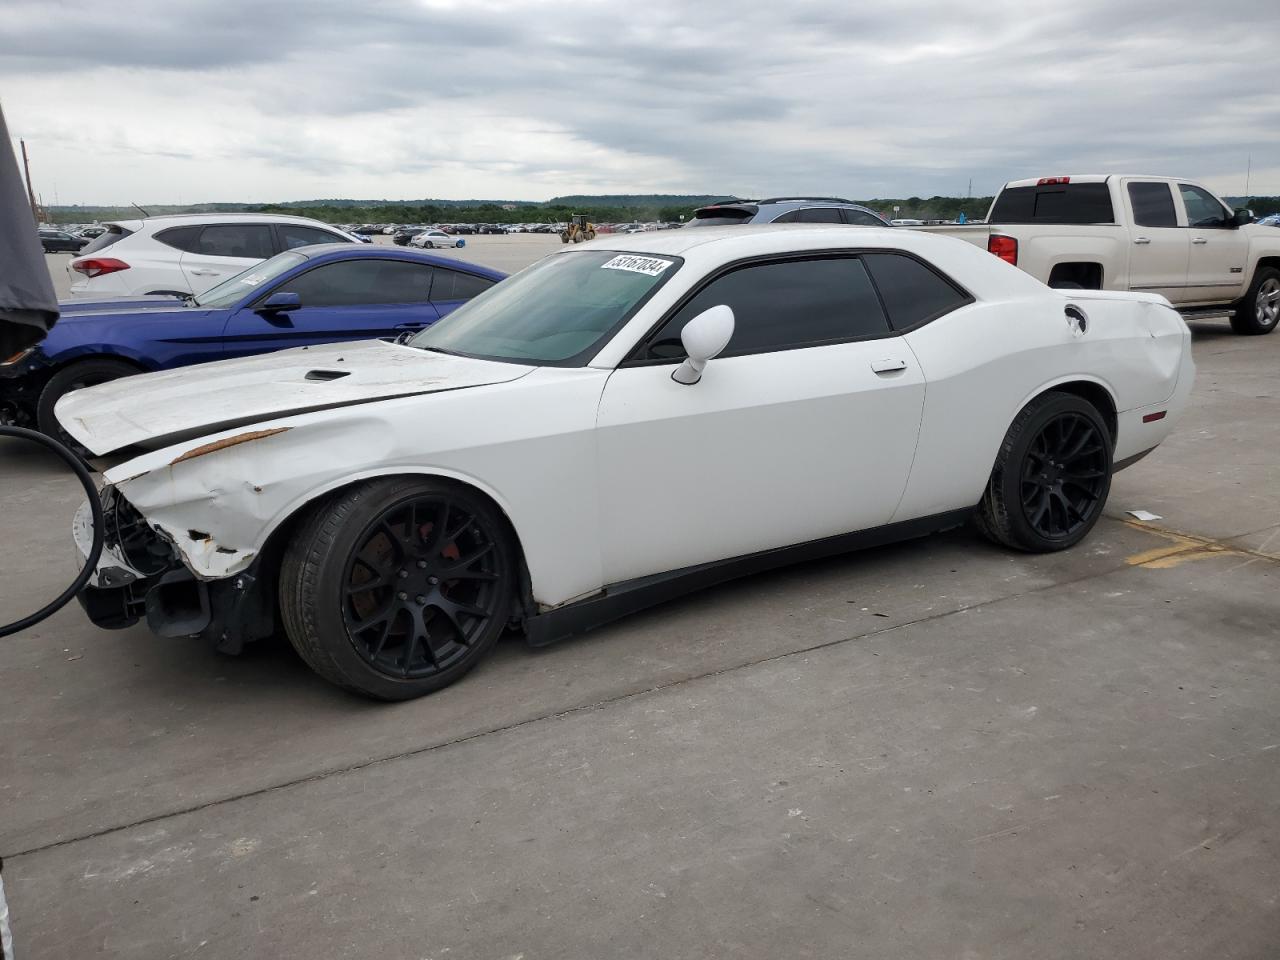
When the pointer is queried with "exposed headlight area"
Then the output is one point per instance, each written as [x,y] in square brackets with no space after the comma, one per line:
[141,576]
[132,537]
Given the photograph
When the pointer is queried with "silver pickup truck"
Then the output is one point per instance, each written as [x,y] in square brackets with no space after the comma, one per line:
[1154,234]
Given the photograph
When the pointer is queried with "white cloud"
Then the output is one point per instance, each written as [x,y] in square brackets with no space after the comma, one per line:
[154,101]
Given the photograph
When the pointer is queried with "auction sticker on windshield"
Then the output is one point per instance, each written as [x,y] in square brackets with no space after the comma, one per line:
[650,266]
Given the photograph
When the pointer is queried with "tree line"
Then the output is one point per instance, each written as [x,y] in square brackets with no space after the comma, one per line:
[612,209]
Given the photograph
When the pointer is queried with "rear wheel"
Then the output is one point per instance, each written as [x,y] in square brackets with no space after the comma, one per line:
[1259,311]
[1051,477]
[396,588]
[75,376]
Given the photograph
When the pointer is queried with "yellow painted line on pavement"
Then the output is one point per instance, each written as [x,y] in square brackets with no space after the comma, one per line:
[1183,548]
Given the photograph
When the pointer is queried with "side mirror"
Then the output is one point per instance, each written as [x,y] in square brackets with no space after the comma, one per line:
[279,303]
[1242,216]
[704,337]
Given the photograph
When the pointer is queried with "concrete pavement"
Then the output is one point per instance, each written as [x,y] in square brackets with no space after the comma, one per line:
[934,749]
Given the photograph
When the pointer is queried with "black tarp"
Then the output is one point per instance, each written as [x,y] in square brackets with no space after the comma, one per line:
[28,307]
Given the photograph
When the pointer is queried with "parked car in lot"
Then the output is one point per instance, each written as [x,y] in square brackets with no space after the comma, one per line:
[311,295]
[1271,221]
[59,241]
[92,232]
[189,253]
[1153,234]
[404,234]
[432,239]
[768,393]
[781,210]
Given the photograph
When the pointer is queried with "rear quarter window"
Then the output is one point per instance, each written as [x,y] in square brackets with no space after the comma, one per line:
[455,285]
[1062,203]
[180,238]
[913,293]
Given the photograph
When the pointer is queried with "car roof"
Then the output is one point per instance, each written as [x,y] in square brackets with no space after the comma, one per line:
[709,248]
[173,219]
[679,242]
[363,251]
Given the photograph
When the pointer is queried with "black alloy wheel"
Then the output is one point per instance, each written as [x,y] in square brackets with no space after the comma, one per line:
[420,588]
[394,588]
[1064,475]
[1051,476]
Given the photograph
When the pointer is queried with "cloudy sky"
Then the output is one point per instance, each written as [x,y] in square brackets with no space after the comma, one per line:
[199,100]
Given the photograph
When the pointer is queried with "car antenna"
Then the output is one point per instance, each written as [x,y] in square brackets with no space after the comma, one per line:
[136,207]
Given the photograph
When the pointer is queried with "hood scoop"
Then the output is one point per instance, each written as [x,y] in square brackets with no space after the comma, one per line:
[326,375]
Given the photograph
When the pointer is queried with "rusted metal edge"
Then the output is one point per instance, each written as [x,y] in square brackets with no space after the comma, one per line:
[217,445]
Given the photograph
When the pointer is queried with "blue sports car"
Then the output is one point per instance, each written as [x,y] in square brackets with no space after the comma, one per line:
[318,294]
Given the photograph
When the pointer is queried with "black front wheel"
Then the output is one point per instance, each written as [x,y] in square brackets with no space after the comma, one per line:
[396,588]
[1051,477]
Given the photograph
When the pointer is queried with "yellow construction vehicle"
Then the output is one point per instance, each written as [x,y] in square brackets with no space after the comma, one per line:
[578,230]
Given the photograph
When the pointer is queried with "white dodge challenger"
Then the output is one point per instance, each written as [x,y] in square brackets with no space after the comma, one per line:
[619,423]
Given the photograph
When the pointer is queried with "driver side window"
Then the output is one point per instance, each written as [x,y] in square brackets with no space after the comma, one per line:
[782,306]
[350,283]
[1203,209]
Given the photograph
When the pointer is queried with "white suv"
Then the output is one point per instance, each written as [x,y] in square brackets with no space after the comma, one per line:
[187,254]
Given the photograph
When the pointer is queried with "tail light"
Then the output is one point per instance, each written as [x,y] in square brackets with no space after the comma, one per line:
[1052,181]
[1006,248]
[98,266]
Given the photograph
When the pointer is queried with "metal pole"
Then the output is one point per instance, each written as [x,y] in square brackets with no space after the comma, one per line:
[31,194]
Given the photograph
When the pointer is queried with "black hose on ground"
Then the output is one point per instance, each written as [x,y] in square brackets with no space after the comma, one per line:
[95,506]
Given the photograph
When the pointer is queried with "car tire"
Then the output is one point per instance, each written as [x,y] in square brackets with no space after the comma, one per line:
[1259,311]
[429,245]
[365,592]
[74,376]
[1051,476]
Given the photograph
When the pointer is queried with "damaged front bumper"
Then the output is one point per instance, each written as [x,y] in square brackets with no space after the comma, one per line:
[140,576]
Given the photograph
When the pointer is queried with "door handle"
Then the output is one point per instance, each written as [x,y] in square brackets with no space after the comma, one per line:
[204,273]
[1141,239]
[410,326]
[888,365]
[1199,240]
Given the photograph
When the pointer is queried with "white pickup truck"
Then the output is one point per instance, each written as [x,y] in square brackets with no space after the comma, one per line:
[1154,234]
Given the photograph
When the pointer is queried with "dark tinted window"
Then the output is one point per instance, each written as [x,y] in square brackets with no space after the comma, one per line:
[453,285]
[1152,205]
[181,238]
[912,293]
[722,216]
[1054,203]
[820,215]
[113,234]
[249,240]
[777,306]
[791,216]
[295,235]
[354,282]
[860,218]
[1203,209]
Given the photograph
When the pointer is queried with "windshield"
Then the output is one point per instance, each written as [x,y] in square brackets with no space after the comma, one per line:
[556,312]
[234,289]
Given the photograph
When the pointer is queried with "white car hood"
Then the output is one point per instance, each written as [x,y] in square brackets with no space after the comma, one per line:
[157,409]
